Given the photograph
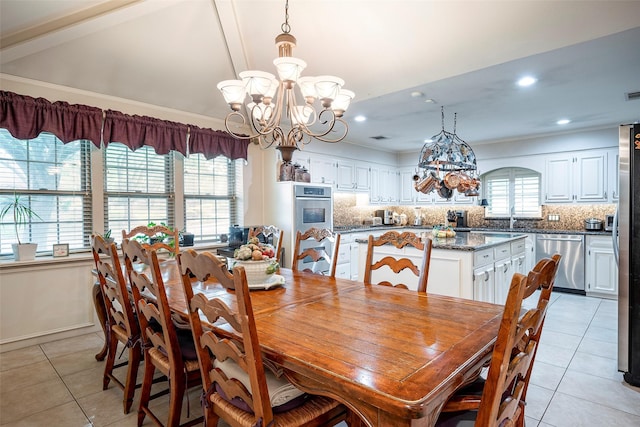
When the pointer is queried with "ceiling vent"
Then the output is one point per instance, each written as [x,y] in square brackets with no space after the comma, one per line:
[379,137]
[632,96]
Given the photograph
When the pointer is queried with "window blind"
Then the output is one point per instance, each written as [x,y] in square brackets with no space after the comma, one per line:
[138,188]
[53,179]
[210,202]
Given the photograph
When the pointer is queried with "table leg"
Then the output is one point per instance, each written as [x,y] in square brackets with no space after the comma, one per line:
[101,311]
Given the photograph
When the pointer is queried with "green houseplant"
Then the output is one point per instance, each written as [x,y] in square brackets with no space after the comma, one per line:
[22,214]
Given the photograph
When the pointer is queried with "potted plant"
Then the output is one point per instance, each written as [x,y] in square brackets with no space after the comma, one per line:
[107,237]
[22,214]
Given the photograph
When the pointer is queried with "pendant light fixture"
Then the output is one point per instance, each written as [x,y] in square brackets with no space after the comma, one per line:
[447,163]
[280,115]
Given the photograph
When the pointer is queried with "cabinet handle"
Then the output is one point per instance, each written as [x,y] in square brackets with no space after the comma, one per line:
[506,267]
[486,276]
[605,194]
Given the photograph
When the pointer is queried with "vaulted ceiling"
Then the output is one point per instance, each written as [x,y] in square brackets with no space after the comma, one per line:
[463,55]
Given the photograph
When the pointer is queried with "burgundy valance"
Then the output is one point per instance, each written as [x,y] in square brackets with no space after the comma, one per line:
[212,143]
[26,117]
[137,131]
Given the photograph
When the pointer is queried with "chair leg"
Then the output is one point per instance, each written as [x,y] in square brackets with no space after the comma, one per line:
[178,387]
[111,357]
[132,373]
[149,370]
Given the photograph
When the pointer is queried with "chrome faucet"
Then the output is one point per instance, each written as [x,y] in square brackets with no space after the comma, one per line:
[512,219]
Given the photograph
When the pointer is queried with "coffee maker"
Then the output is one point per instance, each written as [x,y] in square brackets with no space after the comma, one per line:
[386,215]
[461,219]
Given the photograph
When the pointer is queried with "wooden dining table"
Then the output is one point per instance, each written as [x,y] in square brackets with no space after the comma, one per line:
[391,355]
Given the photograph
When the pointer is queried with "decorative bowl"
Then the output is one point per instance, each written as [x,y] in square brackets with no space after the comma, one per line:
[257,271]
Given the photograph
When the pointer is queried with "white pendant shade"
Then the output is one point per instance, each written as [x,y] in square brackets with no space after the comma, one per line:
[233,91]
[289,68]
[328,87]
[259,111]
[342,101]
[307,86]
[257,82]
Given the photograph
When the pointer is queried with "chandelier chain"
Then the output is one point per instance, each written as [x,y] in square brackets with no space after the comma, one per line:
[286,28]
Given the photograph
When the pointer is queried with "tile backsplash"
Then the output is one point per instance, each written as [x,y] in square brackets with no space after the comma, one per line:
[349,210]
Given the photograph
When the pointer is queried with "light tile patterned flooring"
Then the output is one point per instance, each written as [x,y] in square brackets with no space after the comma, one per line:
[575,380]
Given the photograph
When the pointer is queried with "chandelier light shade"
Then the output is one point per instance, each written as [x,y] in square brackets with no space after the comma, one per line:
[447,163]
[281,115]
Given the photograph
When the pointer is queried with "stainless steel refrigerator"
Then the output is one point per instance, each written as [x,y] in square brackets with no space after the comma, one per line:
[626,238]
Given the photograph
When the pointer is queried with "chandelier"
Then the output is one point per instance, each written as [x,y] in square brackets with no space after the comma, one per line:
[279,117]
[447,163]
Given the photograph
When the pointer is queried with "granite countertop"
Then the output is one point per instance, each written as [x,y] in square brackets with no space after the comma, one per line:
[467,240]
[365,228]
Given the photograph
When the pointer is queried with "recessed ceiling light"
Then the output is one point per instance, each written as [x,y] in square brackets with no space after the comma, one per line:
[359,118]
[563,122]
[527,81]
[428,140]
[430,101]
[417,94]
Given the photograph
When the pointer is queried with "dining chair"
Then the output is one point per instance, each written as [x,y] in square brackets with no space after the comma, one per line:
[466,404]
[239,385]
[270,234]
[121,322]
[166,348]
[149,234]
[398,264]
[313,246]
[499,403]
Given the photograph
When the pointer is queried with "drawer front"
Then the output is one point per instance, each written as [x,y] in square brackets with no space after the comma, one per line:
[483,257]
[517,247]
[502,251]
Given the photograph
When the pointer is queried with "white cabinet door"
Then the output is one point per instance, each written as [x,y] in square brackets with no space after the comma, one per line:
[558,179]
[346,175]
[530,252]
[407,191]
[362,177]
[572,177]
[601,268]
[613,168]
[502,279]
[354,261]
[483,284]
[322,169]
[374,190]
[590,183]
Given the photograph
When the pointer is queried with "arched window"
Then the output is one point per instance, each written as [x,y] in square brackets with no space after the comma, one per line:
[512,191]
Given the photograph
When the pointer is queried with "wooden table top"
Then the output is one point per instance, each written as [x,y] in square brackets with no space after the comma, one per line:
[392,355]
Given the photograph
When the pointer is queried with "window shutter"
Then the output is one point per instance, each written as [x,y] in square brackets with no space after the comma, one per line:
[512,187]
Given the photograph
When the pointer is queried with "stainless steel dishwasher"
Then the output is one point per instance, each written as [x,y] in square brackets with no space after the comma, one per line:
[570,276]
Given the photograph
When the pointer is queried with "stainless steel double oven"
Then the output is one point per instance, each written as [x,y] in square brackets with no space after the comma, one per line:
[313,207]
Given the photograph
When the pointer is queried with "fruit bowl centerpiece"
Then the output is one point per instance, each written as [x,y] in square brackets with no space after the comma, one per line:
[257,259]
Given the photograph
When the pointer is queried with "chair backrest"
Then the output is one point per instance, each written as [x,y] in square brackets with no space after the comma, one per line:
[151,233]
[120,310]
[316,251]
[541,277]
[271,234]
[510,361]
[244,351]
[158,330]
[397,265]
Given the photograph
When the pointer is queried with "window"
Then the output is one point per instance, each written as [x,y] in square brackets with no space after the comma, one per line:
[512,191]
[53,179]
[138,188]
[210,202]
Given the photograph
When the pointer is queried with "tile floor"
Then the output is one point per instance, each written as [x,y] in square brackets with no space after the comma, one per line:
[575,380]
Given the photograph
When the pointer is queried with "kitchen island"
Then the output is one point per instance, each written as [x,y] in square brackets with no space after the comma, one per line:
[473,265]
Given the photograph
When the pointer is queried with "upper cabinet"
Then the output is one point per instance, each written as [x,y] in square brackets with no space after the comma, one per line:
[614,169]
[576,177]
[352,176]
[322,169]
